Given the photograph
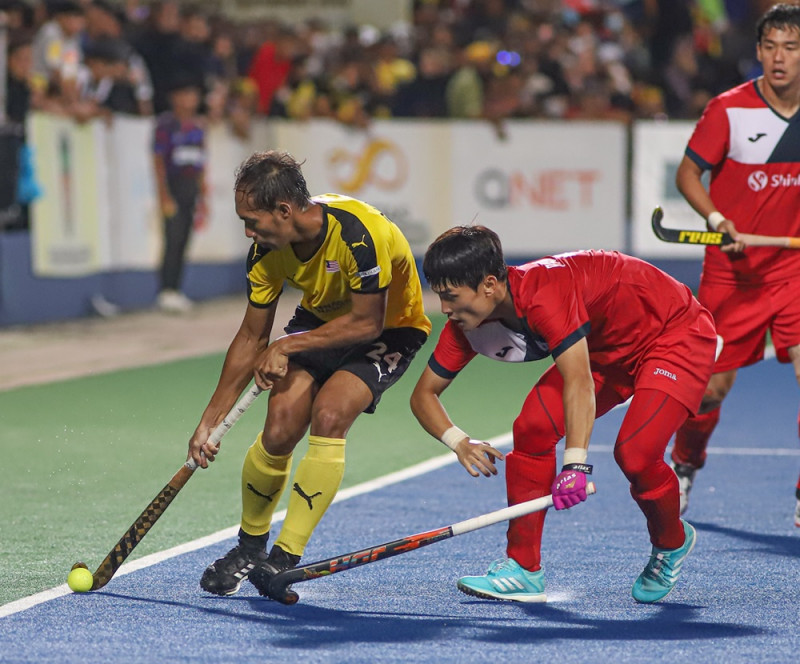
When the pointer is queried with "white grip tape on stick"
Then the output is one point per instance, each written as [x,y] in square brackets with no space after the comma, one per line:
[230,419]
[507,513]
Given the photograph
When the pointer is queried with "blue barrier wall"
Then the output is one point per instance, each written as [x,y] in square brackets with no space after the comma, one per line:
[25,298]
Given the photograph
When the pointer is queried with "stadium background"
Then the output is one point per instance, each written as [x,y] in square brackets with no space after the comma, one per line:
[587,106]
[95,413]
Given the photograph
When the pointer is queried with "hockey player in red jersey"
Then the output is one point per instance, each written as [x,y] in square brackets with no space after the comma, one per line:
[616,327]
[749,138]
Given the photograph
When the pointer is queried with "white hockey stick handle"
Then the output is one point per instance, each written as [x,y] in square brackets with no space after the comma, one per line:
[230,419]
[512,512]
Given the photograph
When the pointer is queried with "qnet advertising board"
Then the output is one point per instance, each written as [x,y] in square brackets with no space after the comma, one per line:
[543,187]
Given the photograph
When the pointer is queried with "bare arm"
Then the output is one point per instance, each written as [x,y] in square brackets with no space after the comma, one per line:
[363,323]
[689,183]
[578,395]
[237,371]
[165,200]
[427,407]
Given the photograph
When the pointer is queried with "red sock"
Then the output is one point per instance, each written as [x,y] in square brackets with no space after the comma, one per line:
[692,438]
[797,493]
[527,477]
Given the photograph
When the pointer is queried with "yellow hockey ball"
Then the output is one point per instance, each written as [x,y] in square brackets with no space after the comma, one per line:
[80,579]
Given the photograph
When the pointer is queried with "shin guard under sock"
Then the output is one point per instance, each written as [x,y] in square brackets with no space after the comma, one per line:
[264,477]
[316,482]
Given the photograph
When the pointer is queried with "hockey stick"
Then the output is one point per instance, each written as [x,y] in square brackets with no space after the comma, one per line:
[278,584]
[715,237]
[159,504]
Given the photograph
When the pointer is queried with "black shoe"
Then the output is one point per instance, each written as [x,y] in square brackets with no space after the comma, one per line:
[278,561]
[225,576]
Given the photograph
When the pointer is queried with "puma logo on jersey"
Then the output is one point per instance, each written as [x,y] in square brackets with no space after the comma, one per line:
[263,495]
[305,496]
[360,243]
[503,351]
[753,139]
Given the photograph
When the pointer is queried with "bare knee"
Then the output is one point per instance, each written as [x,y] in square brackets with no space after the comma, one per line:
[718,388]
[331,420]
[282,430]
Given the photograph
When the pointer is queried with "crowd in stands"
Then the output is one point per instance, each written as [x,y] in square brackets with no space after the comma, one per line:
[490,59]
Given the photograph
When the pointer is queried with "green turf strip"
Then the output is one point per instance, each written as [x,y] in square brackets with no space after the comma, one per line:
[82,458]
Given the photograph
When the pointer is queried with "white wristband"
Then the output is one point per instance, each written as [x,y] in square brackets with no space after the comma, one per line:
[574,455]
[715,219]
[452,437]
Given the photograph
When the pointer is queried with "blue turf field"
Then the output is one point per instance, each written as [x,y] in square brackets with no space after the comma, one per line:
[737,600]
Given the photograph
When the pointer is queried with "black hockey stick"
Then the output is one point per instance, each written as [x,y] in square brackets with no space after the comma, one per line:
[715,237]
[278,584]
[159,504]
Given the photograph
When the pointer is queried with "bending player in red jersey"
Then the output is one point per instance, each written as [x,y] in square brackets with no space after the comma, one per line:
[616,327]
[748,138]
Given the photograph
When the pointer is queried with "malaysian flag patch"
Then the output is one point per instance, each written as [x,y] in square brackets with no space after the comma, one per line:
[331,266]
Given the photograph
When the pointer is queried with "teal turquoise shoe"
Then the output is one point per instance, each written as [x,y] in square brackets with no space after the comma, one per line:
[663,570]
[506,580]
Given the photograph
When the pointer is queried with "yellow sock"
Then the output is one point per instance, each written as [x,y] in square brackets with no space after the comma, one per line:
[264,478]
[316,482]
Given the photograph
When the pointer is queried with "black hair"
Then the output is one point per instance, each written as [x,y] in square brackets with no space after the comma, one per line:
[65,7]
[267,178]
[107,49]
[782,16]
[464,256]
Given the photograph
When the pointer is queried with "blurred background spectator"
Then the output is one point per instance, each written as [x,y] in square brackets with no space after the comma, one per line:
[613,60]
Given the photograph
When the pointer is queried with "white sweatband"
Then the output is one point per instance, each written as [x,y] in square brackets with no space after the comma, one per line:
[452,437]
[715,219]
[574,455]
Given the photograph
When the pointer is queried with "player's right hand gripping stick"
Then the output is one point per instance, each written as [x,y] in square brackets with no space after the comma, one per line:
[569,486]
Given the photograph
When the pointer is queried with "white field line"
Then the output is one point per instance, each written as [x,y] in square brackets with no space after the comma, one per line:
[503,440]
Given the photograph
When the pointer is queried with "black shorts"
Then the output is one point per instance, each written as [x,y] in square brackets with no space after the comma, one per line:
[378,363]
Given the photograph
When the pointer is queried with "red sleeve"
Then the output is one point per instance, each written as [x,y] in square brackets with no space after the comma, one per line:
[710,141]
[553,306]
[452,352]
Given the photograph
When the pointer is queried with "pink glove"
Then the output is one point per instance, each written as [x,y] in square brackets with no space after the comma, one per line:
[569,489]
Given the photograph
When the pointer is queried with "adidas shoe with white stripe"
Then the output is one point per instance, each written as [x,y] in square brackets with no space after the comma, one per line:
[225,575]
[506,579]
[663,569]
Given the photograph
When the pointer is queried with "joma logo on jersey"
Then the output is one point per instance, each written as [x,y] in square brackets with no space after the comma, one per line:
[700,237]
[664,372]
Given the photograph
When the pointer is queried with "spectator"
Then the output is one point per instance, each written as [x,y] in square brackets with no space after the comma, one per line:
[390,72]
[193,57]
[19,16]
[466,88]
[103,21]
[271,66]
[180,170]
[19,183]
[104,82]
[57,49]
[426,94]
[156,44]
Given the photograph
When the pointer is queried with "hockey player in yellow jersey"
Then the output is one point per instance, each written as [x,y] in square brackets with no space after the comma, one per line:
[358,326]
